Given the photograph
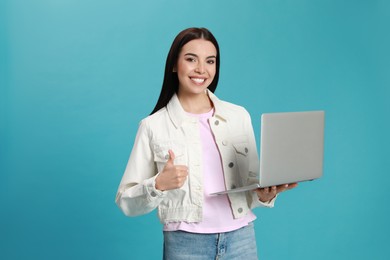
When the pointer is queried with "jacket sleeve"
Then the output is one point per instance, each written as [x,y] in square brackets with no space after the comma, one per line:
[137,194]
[254,167]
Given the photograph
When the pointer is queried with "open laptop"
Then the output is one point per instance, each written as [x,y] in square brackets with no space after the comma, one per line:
[291,149]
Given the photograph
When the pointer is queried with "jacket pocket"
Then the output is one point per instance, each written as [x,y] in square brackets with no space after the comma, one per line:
[241,148]
[161,154]
[240,145]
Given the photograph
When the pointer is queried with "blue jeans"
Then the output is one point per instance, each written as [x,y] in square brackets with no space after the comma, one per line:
[238,244]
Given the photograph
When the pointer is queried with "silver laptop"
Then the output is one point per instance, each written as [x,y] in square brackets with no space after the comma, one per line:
[291,149]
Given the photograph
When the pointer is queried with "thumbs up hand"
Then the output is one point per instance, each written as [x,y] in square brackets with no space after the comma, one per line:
[172,176]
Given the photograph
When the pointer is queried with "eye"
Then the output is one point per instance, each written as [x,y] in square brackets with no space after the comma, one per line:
[211,61]
[190,59]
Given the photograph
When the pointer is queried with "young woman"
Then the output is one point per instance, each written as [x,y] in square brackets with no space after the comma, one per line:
[192,145]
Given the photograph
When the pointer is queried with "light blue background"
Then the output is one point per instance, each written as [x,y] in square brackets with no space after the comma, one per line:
[78,75]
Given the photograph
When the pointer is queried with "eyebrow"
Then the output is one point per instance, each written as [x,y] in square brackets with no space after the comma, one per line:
[192,54]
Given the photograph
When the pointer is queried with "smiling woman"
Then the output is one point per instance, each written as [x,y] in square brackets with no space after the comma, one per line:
[171,79]
[196,70]
[185,151]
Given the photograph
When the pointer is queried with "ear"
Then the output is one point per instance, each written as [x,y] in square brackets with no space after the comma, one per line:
[174,69]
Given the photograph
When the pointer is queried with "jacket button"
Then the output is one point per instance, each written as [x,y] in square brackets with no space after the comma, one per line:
[231,165]
[153,194]
[239,210]
[233,186]
[216,122]
[246,150]
[225,142]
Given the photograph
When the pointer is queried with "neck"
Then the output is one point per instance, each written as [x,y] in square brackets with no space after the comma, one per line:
[196,103]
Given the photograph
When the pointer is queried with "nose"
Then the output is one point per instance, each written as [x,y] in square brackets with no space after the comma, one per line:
[200,68]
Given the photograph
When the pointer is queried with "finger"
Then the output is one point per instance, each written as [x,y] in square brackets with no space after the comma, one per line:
[291,186]
[171,157]
[286,187]
[181,168]
[181,174]
[282,188]
[184,173]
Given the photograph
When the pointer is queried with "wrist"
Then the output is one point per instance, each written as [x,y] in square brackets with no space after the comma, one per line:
[266,200]
[157,184]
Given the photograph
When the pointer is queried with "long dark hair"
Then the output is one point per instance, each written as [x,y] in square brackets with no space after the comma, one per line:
[171,82]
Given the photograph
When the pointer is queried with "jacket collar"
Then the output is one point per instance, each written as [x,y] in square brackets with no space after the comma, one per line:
[178,115]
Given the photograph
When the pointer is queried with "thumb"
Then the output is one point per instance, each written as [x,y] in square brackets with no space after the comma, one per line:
[171,157]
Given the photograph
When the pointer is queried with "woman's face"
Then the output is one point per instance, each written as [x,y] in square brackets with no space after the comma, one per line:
[196,66]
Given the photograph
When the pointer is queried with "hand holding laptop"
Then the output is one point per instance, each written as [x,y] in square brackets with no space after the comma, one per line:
[268,193]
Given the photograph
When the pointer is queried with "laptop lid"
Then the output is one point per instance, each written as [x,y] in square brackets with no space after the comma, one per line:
[291,148]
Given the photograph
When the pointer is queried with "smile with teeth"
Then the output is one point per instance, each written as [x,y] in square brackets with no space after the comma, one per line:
[198,80]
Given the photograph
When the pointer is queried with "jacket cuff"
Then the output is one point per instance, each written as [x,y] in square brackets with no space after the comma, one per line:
[153,193]
[257,203]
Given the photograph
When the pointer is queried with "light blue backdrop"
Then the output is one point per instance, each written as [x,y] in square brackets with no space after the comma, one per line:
[78,75]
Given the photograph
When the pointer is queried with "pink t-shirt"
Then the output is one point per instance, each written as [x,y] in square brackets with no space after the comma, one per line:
[217,213]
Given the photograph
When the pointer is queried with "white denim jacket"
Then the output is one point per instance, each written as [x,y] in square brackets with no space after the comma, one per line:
[172,128]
